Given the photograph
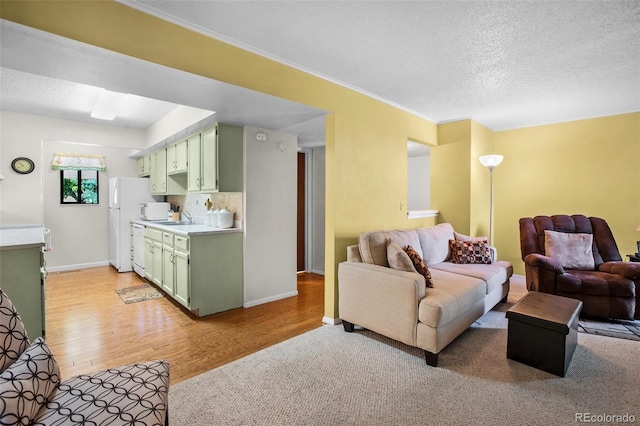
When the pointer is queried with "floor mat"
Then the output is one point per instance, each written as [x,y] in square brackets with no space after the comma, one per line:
[138,293]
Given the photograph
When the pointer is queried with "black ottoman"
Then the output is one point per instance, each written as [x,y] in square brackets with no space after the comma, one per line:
[543,331]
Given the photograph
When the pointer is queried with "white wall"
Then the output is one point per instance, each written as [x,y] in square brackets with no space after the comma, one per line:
[270,177]
[418,183]
[79,232]
[177,123]
[317,209]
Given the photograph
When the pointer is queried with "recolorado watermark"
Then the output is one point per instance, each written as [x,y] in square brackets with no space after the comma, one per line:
[604,418]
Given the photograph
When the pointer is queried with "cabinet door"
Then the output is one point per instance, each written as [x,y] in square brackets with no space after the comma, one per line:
[141,166]
[148,259]
[159,172]
[181,294]
[156,276]
[209,142]
[194,169]
[182,154]
[168,270]
[171,159]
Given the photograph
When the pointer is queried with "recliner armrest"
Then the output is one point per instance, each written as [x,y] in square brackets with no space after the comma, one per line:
[540,261]
[629,270]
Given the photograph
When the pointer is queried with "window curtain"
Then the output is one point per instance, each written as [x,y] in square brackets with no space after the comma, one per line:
[78,162]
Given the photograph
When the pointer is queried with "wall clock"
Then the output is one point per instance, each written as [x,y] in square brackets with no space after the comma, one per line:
[22,165]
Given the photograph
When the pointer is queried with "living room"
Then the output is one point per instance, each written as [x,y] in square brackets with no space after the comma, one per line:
[587,164]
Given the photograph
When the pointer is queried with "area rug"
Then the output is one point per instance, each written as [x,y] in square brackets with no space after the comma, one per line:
[138,293]
[330,377]
[622,329]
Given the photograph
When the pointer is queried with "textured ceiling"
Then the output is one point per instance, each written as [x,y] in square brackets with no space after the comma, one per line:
[506,64]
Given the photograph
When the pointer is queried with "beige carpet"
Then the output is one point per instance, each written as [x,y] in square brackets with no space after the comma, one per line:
[329,377]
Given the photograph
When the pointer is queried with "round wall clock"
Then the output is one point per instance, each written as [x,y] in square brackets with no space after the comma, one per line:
[22,165]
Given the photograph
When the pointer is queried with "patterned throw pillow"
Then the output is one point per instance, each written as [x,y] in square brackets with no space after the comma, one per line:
[419,264]
[27,384]
[470,251]
[13,335]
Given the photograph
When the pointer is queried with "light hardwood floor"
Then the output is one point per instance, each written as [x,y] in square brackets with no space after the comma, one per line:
[90,328]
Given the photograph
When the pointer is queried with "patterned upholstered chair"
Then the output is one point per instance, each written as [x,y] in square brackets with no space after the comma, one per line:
[32,392]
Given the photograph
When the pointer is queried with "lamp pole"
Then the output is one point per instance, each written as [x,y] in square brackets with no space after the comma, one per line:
[491,161]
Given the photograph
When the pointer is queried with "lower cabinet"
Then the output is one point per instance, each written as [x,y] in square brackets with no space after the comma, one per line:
[202,272]
[22,278]
[153,256]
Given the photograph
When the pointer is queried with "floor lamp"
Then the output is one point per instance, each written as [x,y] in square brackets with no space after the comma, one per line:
[491,161]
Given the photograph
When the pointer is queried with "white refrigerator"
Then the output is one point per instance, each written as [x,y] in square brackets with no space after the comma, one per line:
[125,196]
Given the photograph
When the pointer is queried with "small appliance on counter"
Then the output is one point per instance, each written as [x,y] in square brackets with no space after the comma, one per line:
[154,211]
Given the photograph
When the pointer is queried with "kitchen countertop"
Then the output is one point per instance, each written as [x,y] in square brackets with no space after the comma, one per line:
[21,237]
[193,229]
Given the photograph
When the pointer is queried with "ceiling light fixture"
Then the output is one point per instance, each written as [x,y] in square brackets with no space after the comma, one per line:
[108,104]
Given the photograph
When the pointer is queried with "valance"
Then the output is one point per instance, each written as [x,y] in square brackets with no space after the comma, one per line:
[78,162]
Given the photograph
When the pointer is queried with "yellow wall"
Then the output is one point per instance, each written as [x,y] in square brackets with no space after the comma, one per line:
[589,167]
[366,139]
[451,175]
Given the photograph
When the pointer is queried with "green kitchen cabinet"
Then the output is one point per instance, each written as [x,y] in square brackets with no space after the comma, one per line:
[215,160]
[144,166]
[22,279]
[177,155]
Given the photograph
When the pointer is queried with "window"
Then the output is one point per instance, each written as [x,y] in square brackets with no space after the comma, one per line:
[418,176]
[78,187]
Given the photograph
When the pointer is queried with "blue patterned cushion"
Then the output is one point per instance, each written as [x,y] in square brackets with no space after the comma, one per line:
[13,335]
[26,385]
[135,394]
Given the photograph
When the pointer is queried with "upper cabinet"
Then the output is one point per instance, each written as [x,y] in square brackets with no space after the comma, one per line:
[144,165]
[215,160]
[208,161]
[177,157]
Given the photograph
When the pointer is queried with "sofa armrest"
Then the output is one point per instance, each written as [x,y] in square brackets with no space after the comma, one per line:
[629,270]
[380,299]
[540,261]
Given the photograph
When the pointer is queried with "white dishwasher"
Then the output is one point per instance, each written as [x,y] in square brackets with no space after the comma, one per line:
[138,249]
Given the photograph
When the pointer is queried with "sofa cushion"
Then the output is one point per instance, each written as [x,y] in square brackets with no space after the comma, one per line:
[132,394]
[398,258]
[434,242]
[462,237]
[451,295]
[26,385]
[572,251]
[470,252]
[494,274]
[419,265]
[13,335]
[373,245]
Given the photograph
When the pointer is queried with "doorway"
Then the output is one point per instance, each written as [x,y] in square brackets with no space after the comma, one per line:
[301,214]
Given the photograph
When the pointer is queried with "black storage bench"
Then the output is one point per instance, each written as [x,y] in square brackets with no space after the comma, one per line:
[543,331]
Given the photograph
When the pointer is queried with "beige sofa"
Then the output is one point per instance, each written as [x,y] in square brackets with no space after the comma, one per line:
[399,305]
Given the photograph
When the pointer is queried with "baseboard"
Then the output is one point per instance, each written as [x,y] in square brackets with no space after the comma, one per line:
[74,267]
[269,299]
[331,321]
[317,271]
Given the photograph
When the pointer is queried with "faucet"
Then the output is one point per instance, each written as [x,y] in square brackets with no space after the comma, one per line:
[188,216]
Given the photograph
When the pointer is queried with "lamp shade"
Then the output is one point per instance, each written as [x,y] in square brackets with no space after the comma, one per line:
[491,160]
[638,228]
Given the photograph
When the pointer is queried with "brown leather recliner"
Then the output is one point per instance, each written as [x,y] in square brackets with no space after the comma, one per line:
[610,290]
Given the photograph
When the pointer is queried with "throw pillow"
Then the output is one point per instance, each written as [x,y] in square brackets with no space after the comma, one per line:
[398,258]
[27,384]
[13,335]
[470,252]
[572,251]
[419,264]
